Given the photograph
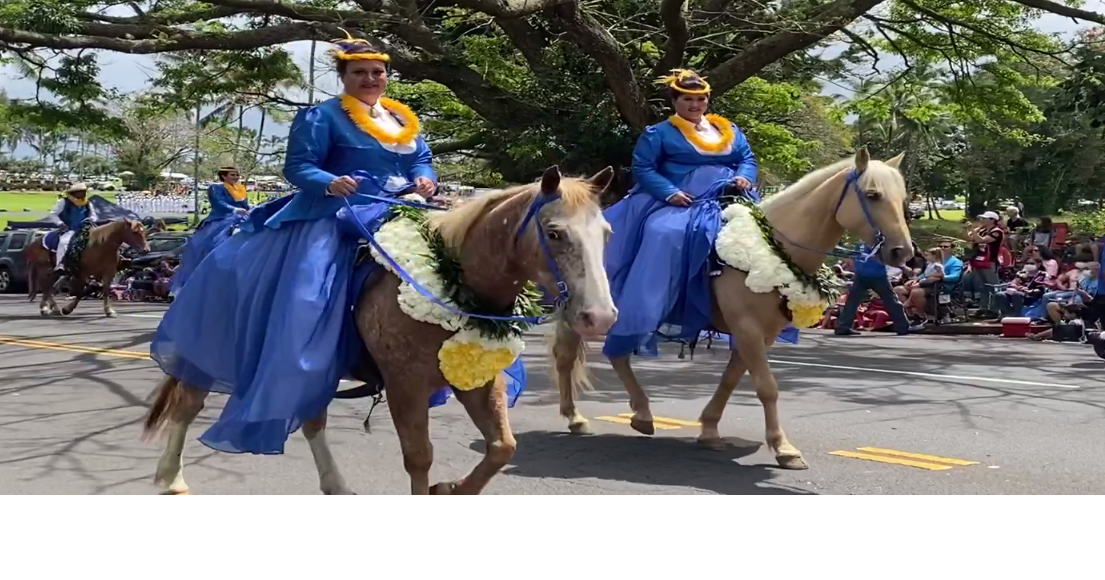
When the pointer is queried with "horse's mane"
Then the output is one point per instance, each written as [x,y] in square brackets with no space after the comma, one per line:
[808,183]
[878,177]
[575,193]
[101,234]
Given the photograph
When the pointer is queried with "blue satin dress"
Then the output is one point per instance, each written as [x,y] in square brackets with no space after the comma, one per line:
[267,316]
[658,259]
[215,229]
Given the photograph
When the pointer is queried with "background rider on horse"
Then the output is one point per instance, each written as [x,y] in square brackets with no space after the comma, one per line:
[75,216]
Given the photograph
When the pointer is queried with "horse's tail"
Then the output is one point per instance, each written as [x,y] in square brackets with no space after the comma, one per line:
[169,395]
[580,377]
[32,278]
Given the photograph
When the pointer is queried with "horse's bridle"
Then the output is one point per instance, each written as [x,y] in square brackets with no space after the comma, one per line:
[852,184]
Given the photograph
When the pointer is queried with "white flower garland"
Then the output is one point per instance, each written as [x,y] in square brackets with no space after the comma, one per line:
[741,245]
[467,359]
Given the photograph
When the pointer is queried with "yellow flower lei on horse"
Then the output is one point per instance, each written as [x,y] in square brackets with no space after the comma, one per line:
[360,117]
[691,133]
[77,202]
[236,190]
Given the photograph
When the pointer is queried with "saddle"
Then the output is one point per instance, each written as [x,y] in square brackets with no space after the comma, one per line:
[51,240]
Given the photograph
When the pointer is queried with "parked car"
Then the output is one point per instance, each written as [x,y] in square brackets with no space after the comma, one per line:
[163,246]
[13,272]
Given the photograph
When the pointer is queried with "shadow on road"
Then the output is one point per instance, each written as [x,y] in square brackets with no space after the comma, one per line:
[675,462]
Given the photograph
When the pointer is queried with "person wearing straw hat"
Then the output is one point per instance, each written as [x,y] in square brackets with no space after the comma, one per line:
[659,258]
[75,216]
[229,202]
[266,316]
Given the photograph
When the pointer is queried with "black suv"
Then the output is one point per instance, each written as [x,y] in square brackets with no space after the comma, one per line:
[13,271]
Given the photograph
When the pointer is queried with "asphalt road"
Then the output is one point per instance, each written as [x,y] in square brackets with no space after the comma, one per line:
[986,415]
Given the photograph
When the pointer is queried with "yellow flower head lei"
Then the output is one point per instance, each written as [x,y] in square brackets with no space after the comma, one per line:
[675,81]
[679,76]
[350,48]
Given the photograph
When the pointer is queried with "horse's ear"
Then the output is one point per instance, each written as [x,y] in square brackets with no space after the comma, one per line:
[862,159]
[550,181]
[601,180]
[897,160]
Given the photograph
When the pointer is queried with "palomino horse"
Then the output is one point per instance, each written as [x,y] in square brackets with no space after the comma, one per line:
[100,260]
[497,262]
[809,218]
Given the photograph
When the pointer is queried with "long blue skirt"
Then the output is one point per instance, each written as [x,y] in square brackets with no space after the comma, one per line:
[267,319]
[658,261]
[211,233]
[263,319]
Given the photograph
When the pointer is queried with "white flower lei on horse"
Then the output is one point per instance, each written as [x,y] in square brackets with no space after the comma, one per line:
[468,359]
[742,244]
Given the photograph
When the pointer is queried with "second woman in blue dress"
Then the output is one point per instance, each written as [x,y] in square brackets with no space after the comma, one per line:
[229,202]
[659,256]
[265,317]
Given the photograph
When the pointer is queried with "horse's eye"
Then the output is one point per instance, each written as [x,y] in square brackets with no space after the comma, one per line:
[874,195]
[553,234]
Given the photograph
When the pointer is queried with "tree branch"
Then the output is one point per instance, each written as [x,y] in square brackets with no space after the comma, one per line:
[590,36]
[1063,10]
[671,12]
[456,145]
[239,40]
[511,8]
[528,40]
[765,51]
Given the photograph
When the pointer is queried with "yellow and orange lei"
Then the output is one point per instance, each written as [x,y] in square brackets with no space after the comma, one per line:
[691,133]
[236,191]
[358,113]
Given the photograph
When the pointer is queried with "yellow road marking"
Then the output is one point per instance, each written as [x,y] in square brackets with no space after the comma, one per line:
[894,460]
[625,421]
[131,354]
[930,458]
[667,421]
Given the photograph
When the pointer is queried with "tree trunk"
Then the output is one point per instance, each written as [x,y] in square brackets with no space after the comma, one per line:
[196,171]
[260,135]
[311,75]
[241,128]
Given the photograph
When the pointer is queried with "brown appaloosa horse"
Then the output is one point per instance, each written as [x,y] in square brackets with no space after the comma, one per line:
[497,262]
[99,260]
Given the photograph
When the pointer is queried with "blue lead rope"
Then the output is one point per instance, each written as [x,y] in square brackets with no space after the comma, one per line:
[851,184]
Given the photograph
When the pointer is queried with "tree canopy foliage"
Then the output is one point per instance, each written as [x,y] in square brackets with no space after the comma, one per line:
[521,84]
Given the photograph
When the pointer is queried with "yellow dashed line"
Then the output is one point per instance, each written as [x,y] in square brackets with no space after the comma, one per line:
[895,457]
[131,354]
[930,458]
[667,421]
[625,421]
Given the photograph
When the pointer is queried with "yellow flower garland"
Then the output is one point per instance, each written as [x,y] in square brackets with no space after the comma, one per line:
[359,115]
[471,365]
[78,202]
[691,134]
[236,190]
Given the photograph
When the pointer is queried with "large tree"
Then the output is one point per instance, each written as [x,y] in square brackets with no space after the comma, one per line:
[535,81]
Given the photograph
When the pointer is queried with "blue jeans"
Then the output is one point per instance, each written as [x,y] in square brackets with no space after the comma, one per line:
[858,293]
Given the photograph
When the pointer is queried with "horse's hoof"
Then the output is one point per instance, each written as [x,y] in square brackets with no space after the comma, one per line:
[712,443]
[175,492]
[444,488]
[580,428]
[796,462]
[643,427]
[111,314]
[45,311]
[65,312]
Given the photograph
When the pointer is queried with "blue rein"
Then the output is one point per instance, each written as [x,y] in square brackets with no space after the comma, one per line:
[853,185]
[562,287]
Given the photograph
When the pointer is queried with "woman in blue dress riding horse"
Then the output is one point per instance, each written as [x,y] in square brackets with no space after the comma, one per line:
[229,202]
[659,258]
[266,316]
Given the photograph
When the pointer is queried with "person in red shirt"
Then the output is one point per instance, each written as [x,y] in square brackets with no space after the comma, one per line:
[987,236]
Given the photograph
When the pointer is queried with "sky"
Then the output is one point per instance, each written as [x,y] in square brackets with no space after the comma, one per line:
[130,73]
